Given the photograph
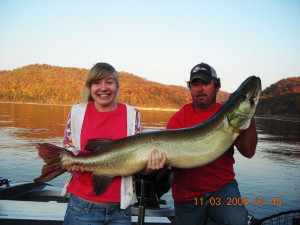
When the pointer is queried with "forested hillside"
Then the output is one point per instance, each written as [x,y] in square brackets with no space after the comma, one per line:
[283,97]
[60,85]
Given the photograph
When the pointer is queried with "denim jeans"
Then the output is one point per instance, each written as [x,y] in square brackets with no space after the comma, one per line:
[224,206]
[80,212]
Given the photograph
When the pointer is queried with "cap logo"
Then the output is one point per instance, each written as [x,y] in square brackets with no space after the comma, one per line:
[195,70]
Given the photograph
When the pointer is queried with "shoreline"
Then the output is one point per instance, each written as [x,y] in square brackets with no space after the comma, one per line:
[288,117]
[295,117]
[140,108]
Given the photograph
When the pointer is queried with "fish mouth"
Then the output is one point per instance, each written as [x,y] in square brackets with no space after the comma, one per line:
[239,123]
[246,118]
[240,119]
[242,115]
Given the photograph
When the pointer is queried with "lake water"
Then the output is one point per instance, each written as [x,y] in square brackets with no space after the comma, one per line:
[272,175]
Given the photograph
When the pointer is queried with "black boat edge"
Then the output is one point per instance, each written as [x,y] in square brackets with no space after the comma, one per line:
[41,203]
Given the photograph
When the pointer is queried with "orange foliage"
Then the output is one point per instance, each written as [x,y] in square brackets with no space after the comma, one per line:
[283,97]
[285,86]
[60,85]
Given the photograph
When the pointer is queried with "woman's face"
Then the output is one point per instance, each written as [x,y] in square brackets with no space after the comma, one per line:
[104,93]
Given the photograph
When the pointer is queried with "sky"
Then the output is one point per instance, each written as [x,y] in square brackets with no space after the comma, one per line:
[160,40]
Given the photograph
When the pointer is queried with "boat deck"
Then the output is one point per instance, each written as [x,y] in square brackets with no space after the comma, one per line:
[31,203]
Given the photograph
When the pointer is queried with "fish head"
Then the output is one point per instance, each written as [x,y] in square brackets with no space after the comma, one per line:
[243,104]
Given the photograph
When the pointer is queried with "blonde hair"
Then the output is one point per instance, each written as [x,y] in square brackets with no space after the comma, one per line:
[98,72]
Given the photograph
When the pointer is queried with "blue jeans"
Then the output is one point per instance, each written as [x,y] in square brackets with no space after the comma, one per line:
[224,206]
[80,212]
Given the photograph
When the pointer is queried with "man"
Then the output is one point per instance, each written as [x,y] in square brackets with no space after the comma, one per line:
[208,191]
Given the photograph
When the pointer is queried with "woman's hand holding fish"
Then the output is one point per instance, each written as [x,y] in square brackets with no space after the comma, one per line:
[75,151]
[75,168]
[154,162]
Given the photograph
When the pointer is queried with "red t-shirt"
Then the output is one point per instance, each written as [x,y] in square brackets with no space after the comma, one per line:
[187,184]
[111,125]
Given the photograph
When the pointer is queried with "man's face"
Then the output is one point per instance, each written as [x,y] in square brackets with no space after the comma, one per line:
[203,94]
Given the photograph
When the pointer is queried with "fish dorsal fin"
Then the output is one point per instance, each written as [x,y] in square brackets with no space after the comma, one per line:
[100,184]
[97,144]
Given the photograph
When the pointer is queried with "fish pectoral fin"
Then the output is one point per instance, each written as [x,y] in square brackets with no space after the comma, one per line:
[96,143]
[100,183]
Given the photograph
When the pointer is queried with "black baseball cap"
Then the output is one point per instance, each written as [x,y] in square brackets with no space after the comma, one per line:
[204,72]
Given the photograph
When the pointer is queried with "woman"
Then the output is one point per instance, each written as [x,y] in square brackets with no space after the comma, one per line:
[102,117]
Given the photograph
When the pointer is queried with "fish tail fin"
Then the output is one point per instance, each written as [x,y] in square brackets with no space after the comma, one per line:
[51,156]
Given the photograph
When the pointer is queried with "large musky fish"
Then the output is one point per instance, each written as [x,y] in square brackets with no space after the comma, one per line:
[185,148]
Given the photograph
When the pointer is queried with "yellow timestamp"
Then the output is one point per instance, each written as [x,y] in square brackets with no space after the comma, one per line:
[267,201]
[238,201]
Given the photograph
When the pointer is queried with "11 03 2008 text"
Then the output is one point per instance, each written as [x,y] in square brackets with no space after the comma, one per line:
[238,201]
